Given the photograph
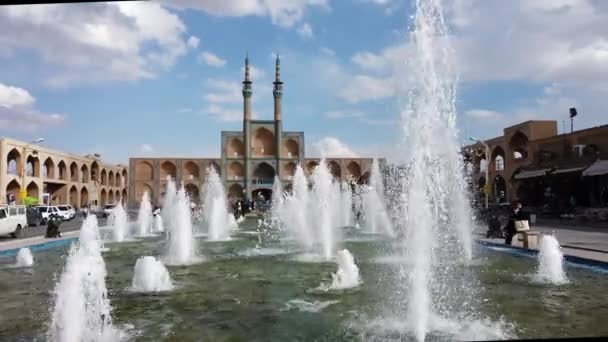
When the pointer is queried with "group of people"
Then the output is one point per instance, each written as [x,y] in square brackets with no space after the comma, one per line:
[241,207]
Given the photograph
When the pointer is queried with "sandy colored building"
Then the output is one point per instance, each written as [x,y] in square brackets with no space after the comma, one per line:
[531,162]
[63,178]
[250,159]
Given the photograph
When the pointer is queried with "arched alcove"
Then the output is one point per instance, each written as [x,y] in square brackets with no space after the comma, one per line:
[289,170]
[167,168]
[236,171]
[63,170]
[191,171]
[335,169]
[291,148]
[48,168]
[144,171]
[33,190]
[354,170]
[263,143]
[236,148]
[519,145]
[32,167]
[84,197]
[74,172]
[13,162]
[74,197]
[84,174]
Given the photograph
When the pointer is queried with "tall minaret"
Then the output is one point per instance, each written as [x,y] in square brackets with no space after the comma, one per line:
[247,92]
[277,91]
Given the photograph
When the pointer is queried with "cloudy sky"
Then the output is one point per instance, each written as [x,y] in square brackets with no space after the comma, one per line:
[163,78]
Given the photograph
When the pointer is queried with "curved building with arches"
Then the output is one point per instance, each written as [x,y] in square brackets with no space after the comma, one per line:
[57,177]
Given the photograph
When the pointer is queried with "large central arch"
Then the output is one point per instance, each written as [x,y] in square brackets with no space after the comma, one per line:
[264,173]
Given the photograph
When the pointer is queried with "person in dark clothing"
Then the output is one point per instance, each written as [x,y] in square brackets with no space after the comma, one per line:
[516,215]
[604,196]
[52,227]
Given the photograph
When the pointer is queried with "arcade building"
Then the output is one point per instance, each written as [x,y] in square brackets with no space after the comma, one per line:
[250,159]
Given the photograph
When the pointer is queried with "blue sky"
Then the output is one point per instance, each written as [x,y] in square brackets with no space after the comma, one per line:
[163,78]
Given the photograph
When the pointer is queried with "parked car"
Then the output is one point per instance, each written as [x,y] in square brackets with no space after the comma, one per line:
[12,220]
[47,211]
[66,212]
[34,217]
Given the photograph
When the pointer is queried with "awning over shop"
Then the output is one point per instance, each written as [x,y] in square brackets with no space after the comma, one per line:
[531,174]
[600,167]
[572,169]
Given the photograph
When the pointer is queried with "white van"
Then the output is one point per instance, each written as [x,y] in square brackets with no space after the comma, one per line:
[12,220]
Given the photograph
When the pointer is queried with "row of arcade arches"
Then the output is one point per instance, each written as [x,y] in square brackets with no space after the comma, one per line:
[52,168]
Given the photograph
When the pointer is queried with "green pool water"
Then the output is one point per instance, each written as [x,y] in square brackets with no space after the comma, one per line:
[241,293]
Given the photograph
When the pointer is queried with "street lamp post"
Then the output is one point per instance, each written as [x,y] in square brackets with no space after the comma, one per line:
[486,187]
[23,192]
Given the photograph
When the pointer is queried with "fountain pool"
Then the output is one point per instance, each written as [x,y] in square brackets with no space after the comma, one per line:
[239,294]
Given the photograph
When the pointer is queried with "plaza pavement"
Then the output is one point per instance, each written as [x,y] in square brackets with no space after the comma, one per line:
[580,241]
[35,235]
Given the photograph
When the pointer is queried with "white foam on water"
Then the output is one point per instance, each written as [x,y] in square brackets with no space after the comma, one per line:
[150,275]
[347,275]
[550,262]
[302,305]
[24,258]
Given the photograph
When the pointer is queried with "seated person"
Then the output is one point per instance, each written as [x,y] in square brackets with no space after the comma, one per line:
[516,215]
[52,227]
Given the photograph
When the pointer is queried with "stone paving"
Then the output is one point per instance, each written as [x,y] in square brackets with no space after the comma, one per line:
[584,242]
[32,241]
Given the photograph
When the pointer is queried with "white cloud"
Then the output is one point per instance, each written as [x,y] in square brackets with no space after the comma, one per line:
[333,147]
[305,31]
[184,110]
[228,114]
[193,42]
[211,59]
[342,114]
[560,45]
[17,112]
[146,148]
[14,96]
[328,51]
[365,88]
[484,114]
[285,13]
[370,61]
[222,91]
[80,43]
[548,41]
